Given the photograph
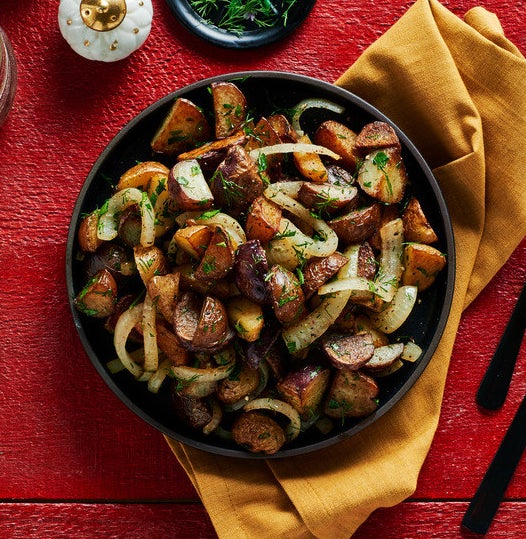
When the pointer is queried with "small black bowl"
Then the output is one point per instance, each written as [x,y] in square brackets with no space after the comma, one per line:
[250,38]
[266,92]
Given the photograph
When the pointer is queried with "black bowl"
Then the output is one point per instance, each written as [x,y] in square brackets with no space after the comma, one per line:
[266,92]
[250,38]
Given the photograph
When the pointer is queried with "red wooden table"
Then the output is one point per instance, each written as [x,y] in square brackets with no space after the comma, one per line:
[74,462]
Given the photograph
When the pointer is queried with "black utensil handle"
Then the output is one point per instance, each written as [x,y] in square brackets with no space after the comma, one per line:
[486,501]
[494,386]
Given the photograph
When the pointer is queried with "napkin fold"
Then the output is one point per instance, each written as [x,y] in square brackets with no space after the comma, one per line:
[456,88]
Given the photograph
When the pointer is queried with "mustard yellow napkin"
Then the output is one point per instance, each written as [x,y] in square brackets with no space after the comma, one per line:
[457,90]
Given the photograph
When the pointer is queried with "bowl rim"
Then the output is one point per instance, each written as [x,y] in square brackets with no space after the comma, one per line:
[443,311]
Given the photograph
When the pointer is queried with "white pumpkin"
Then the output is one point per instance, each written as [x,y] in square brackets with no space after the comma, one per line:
[105,30]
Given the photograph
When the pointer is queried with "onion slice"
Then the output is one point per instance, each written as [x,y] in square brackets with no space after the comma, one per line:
[107,228]
[312,102]
[326,243]
[126,322]
[228,223]
[397,312]
[149,331]
[194,374]
[390,269]
[157,378]
[217,416]
[411,351]
[266,403]
[293,147]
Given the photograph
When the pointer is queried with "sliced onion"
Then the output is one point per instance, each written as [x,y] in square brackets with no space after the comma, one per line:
[214,374]
[397,312]
[353,284]
[390,268]
[302,334]
[157,378]
[292,147]
[411,351]
[328,241]
[115,366]
[314,102]
[217,416]
[290,188]
[162,204]
[107,227]
[126,322]
[266,403]
[149,332]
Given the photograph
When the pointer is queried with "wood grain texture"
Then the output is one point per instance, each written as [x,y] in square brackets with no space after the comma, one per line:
[74,461]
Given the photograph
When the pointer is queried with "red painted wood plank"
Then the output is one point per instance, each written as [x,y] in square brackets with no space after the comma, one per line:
[410,520]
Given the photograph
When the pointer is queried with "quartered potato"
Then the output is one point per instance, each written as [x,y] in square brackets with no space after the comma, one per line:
[422,263]
[230,107]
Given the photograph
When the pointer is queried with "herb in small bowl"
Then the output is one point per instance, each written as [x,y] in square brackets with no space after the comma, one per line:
[240,16]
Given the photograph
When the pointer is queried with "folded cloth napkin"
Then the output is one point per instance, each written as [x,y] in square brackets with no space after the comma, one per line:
[457,90]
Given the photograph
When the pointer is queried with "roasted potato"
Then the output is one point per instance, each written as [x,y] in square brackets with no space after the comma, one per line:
[382,175]
[310,164]
[236,181]
[258,432]
[240,384]
[326,199]
[218,258]
[246,317]
[250,272]
[87,233]
[304,389]
[318,271]
[340,139]
[230,108]
[352,394]
[99,295]
[374,136]
[288,300]
[163,290]
[416,225]
[150,261]
[357,225]
[141,175]
[348,351]
[422,263]
[188,186]
[183,128]
[263,218]
[193,239]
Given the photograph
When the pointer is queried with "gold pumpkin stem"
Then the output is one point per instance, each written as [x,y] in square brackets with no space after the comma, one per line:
[102,15]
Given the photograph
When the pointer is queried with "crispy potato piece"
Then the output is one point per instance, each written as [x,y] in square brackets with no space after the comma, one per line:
[87,234]
[389,213]
[246,317]
[163,290]
[310,165]
[245,382]
[288,300]
[384,357]
[383,176]
[169,344]
[193,239]
[357,225]
[422,263]
[236,182]
[416,225]
[374,136]
[352,394]
[230,108]
[325,199]
[283,128]
[340,139]
[219,257]
[337,175]
[222,288]
[98,297]
[304,389]
[141,174]
[183,128]
[318,271]
[348,351]
[188,186]
[150,261]
[262,134]
[263,220]
[258,432]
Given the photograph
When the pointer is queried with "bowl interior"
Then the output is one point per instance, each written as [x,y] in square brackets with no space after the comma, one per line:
[266,92]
